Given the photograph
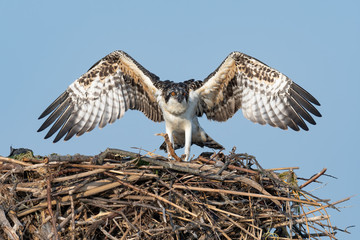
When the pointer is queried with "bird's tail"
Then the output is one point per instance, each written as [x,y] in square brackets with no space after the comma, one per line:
[209,142]
[176,146]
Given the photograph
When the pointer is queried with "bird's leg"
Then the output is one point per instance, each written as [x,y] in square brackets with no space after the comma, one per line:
[170,135]
[188,136]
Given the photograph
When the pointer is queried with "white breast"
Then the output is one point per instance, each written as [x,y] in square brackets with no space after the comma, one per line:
[177,115]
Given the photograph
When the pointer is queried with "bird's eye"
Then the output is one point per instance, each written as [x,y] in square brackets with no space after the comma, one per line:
[173,93]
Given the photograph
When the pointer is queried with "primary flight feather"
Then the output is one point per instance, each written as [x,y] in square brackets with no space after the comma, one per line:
[117,83]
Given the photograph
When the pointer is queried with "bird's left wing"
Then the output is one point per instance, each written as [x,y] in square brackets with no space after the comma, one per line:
[113,85]
[265,95]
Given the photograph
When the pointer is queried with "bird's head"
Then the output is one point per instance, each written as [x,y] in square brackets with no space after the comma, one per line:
[178,93]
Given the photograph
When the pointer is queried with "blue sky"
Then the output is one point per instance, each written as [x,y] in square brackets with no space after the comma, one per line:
[46,45]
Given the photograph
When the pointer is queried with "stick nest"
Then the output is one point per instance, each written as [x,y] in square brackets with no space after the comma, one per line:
[122,195]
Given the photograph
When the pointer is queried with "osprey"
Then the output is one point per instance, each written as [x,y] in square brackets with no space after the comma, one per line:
[117,83]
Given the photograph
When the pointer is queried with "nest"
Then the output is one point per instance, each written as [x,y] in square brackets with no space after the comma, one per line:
[122,195]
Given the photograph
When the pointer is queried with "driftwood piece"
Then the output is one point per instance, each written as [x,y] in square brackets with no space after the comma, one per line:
[6,227]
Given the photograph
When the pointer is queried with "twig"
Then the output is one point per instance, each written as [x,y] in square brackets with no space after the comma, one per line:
[280,169]
[313,178]
[67,198]
[10,160]
[232,167]
[225,166]
[6,227]
[169,146]
[141,195]
[245,194]
[108,234]
[312,219]
[49,205]
[79,175]
[150,194]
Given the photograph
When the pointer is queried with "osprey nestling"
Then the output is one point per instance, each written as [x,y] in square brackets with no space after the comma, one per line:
[117,83]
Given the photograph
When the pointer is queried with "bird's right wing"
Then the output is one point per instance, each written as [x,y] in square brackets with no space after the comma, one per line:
[113,85]
[265,95]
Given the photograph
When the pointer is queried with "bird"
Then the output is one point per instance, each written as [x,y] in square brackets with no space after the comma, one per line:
[117,83]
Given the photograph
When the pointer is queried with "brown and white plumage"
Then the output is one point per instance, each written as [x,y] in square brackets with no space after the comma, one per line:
[113,85]
[265,95]
[117,83]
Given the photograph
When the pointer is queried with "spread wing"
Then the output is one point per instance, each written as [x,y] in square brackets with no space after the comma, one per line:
[265,95]
[113,85]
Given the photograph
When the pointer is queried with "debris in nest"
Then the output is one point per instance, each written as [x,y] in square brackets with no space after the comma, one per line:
[130,196]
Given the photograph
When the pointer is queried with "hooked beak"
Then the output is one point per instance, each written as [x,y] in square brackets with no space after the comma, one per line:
[180,98]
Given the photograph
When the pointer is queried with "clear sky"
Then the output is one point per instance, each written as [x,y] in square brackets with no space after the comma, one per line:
[46,45]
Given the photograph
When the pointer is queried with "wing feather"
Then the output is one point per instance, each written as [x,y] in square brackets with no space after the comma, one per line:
[55,104]
[96,116]
[113,85]
[258,109]
[281,123]
[60,121]
[55,114]
[115,108]
[303,102]
[267,112]
[301,111]
[264,107]
[265,95]
[305,94]
[107,110]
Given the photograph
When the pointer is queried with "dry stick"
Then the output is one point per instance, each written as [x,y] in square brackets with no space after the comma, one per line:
[67,198]
[81,187]
[125,234]
[328,220]
[65,221]
[239,226]
[312,219]
[170,165]
[49,205]
[203,224]
[68,158]
[322,233]
[232,167]
[213,226]
[194,171]
[306,222]
[313,178]
[180,195]
[17,223]
[283,168]
[150,194]
[107,166]
[278,181]
[169,146]
[10,160]
[325,206]
[138,217]
[131,224]
[79,175]
[223,211]
[72,215]
[6,227]
[245,194]
[108,234]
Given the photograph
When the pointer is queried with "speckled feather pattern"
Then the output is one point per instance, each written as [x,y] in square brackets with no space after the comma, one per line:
[265,95]
[117,83]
